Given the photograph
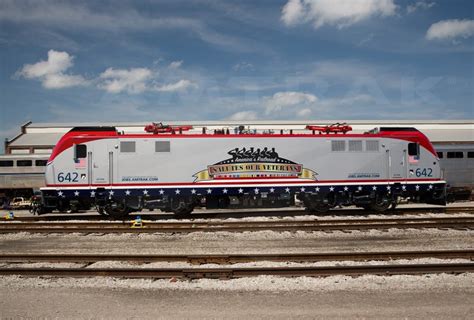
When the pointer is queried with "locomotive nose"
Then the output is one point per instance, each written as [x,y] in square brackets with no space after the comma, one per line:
[49,173]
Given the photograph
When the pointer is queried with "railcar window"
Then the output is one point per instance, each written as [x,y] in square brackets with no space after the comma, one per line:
[440,155]
[6,163]
[127,146]
[355,145]
[372,145]
[24,163]
[413,149]
[455,155]
[162,146]
[41,163]
[338,145]
[80,151]
[470,154]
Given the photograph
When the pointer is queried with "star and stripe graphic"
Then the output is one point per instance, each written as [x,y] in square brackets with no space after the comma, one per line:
[197,190]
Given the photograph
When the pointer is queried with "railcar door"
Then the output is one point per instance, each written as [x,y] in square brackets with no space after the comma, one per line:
[397,161]
[102,160]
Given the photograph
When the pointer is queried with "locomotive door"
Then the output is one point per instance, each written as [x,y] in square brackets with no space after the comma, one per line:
[102,162]
[397,162]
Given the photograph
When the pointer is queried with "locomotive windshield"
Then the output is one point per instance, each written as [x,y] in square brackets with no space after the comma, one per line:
[413,149]
[80,151]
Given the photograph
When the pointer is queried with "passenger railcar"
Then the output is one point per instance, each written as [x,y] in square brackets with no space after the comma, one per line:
[457,165]
[21,173]
[176,170]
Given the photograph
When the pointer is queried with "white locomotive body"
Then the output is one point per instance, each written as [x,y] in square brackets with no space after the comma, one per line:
[176,171]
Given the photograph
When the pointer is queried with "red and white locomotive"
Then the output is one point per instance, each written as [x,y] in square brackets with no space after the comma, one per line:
[176,169]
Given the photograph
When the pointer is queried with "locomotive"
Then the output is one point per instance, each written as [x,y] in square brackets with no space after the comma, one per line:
[176,169]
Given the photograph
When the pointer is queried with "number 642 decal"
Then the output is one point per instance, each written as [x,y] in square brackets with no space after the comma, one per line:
[68,177]
[424,172]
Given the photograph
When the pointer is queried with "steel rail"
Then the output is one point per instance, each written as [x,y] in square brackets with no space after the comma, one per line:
[236,258]
[324,228]
[239,226]
[116,224]
[211,214]
[228,273]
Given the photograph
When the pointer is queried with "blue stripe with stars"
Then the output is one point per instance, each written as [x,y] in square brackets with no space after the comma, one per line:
[240,190]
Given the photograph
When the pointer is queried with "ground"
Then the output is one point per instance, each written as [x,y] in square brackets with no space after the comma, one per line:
[214,304]
[368,297]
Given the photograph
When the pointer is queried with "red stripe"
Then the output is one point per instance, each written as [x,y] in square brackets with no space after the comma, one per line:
[257,178]
[237,183]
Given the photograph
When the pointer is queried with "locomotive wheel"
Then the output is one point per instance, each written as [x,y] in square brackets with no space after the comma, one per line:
[381,203]
[317,204]
[182,207]
[101,211]
[183,213]
[322,208]
[117,211]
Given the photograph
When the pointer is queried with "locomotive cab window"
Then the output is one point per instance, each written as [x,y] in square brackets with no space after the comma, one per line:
[440,154]
[413,149]
[80,151]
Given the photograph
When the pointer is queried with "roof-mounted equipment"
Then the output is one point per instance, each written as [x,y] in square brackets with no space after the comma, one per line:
[157,128]
[333,128]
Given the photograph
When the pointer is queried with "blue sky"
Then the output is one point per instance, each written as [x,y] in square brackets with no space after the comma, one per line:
[188,60]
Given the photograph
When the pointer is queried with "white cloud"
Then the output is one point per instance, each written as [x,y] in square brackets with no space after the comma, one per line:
[180,85]
[132,80]
[450,29]
[59,81]
[52,75]
[243,66]
[51,72]
[341,13]
[304,112]
[285,99]
[243,115]
[424,5]
[175,64]
[292,12]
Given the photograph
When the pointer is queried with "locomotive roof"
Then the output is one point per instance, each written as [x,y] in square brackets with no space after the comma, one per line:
[93,128]
[281,123]
[78,136]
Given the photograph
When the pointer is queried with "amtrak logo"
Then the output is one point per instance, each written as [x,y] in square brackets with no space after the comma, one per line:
[254,163]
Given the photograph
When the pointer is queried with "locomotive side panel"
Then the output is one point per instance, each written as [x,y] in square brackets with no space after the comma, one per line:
[187,160]
[184,160]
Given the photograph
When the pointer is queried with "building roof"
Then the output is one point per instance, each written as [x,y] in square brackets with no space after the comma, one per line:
[37,139]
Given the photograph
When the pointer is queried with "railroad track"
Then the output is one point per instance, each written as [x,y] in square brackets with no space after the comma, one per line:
[229,273]
[237,258]
[239,272]
[460,223]
[239,214]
